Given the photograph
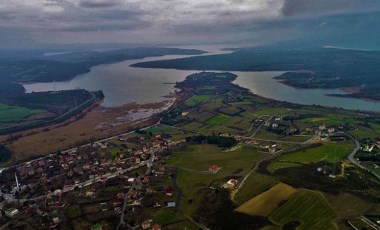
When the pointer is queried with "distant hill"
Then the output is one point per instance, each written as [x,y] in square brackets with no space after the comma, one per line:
[65,66]
[307,68]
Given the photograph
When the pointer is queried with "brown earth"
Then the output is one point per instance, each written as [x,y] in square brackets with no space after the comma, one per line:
[93,123]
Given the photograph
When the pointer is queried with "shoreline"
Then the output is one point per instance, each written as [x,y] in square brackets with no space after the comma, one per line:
[350,91]
[101,123]
[320,106]
[96,123]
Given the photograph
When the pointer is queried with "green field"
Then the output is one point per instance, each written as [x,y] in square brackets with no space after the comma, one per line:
[268,111]
[330,152]
[201,157]
[330,119]
[275,165]
[160,129]
[364,132]
[166,216]
[373,168]
[194,100]
[16,113]
[194,163]
[308,207]
[201,116]
[114,151]
[349,206]
[254,185]
[218,120]
[268,201]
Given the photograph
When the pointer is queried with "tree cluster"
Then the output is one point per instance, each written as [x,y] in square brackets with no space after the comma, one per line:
[221,142]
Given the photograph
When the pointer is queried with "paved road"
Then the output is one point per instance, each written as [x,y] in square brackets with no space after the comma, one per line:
[149,164]
[260,126]
[255,168]
[369,222]
[352,158]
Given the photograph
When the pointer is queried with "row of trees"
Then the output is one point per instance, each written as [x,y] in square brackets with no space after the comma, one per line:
[221,142]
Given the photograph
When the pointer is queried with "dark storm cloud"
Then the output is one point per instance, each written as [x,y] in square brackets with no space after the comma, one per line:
[121,26]
[98,4]
[161,21]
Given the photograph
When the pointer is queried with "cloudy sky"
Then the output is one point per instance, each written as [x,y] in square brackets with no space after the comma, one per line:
[27,22]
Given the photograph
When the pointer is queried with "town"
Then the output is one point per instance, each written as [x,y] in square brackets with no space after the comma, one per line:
[103,179]
[220,148]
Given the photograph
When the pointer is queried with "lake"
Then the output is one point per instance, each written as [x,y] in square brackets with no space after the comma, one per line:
[123,84]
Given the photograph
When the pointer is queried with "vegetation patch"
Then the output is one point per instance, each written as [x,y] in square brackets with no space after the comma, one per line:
[166,216]
[265,203]
[275,165]
[194,100]
[217,212]
[218,120]
[221,142]
[16,113]
[254,185]
[309,208]
[194,162]
[330,152]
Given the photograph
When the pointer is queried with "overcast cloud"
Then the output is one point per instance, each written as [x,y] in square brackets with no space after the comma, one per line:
[156,21]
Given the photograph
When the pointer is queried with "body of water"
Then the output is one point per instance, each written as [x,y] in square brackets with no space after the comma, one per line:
[263,84]
[123,84]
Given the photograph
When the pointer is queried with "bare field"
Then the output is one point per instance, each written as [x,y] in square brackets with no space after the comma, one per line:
[94,123]
[265,203]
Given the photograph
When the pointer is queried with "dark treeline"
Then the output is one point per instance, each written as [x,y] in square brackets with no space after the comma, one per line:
[5,154]
[217,211]
[66,66]
[206,79]
[221,142]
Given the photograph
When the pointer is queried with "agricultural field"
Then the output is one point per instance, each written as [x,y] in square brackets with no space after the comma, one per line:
[193,165]
[16,113]
[193,126]
[161,129]
[174,133]
[213,105]
[364,132]
[254,185]
[330,119]
[166,216]
[201,116]
[201,157]
[349,206]
[275,165]
[230,110]
[330,152]
[219,119]
[303,207]
[272,111]
[268,201]
[196,99]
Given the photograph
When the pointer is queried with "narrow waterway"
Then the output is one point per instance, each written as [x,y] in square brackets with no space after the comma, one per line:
[124,84]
